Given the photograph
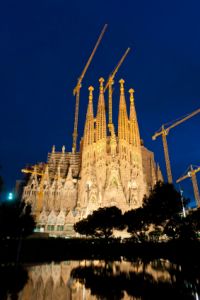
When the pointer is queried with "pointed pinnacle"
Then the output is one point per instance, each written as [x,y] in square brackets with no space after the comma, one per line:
[131,92]
[101,80]
[121,81]
[111,81]
[91,89]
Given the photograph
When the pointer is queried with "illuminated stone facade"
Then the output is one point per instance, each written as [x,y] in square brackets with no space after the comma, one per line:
[110,169]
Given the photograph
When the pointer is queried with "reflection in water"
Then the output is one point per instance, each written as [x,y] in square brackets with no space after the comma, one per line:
[53,281]
[157,279]
[12,280]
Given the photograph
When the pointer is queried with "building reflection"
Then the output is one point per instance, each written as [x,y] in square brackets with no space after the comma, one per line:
[82,280]
[53,281]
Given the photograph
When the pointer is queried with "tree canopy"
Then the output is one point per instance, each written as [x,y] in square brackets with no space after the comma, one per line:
[16,219]
[160,216]
[1,183]
[163,203]
[100,223]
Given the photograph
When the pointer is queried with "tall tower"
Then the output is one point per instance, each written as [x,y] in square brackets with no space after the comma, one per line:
[137,180]
[100,149]
[123,138]
[112,171]
[134,129]
[88,138]
[101,115]
[87,193]
[123,132]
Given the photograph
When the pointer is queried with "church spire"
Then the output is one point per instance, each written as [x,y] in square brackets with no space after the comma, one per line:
[101,114]
[159,173]
[122,117]
[134,129]
[89,123]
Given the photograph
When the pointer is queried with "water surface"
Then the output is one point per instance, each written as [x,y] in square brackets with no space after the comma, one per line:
[98,279]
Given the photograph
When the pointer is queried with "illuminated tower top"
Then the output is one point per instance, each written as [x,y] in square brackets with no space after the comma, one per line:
[89,124]
[123,133]
[101,114]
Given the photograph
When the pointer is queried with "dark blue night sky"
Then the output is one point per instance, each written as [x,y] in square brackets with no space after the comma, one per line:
[43,48]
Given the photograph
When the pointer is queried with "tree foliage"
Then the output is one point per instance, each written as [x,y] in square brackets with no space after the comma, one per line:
[179,228]
[13,279]
[100,223]
[1,183]
[162,206]
[160,216]
[136,222]
[194,219]
[16,220]
[163,203]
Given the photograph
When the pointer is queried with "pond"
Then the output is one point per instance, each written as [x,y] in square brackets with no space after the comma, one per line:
[99,279]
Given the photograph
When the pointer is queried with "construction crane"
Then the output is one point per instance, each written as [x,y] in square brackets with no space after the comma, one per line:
[41,190]
[191,173]
[164,131]
[77,88]
[28,171]
[109,86]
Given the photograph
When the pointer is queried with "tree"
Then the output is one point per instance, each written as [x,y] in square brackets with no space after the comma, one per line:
[189,227]
[13,279]
[194,219]
[16,220]
[159,215]
[1,183]
[163,203]
[101,223]
[136,222]
[163,208]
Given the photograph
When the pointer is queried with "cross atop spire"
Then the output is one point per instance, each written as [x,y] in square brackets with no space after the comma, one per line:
[121,81]
[101,115]
[101,80]
[91,89]
[131,92]
[89,123]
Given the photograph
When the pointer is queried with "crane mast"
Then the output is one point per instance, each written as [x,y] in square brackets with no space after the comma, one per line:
[164,132]
[166,154]
[77,88]
[109,84]
[192,174]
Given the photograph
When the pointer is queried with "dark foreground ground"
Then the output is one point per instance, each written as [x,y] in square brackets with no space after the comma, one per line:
[35,250]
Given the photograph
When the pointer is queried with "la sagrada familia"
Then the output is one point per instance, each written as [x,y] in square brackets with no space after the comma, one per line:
[112,168]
